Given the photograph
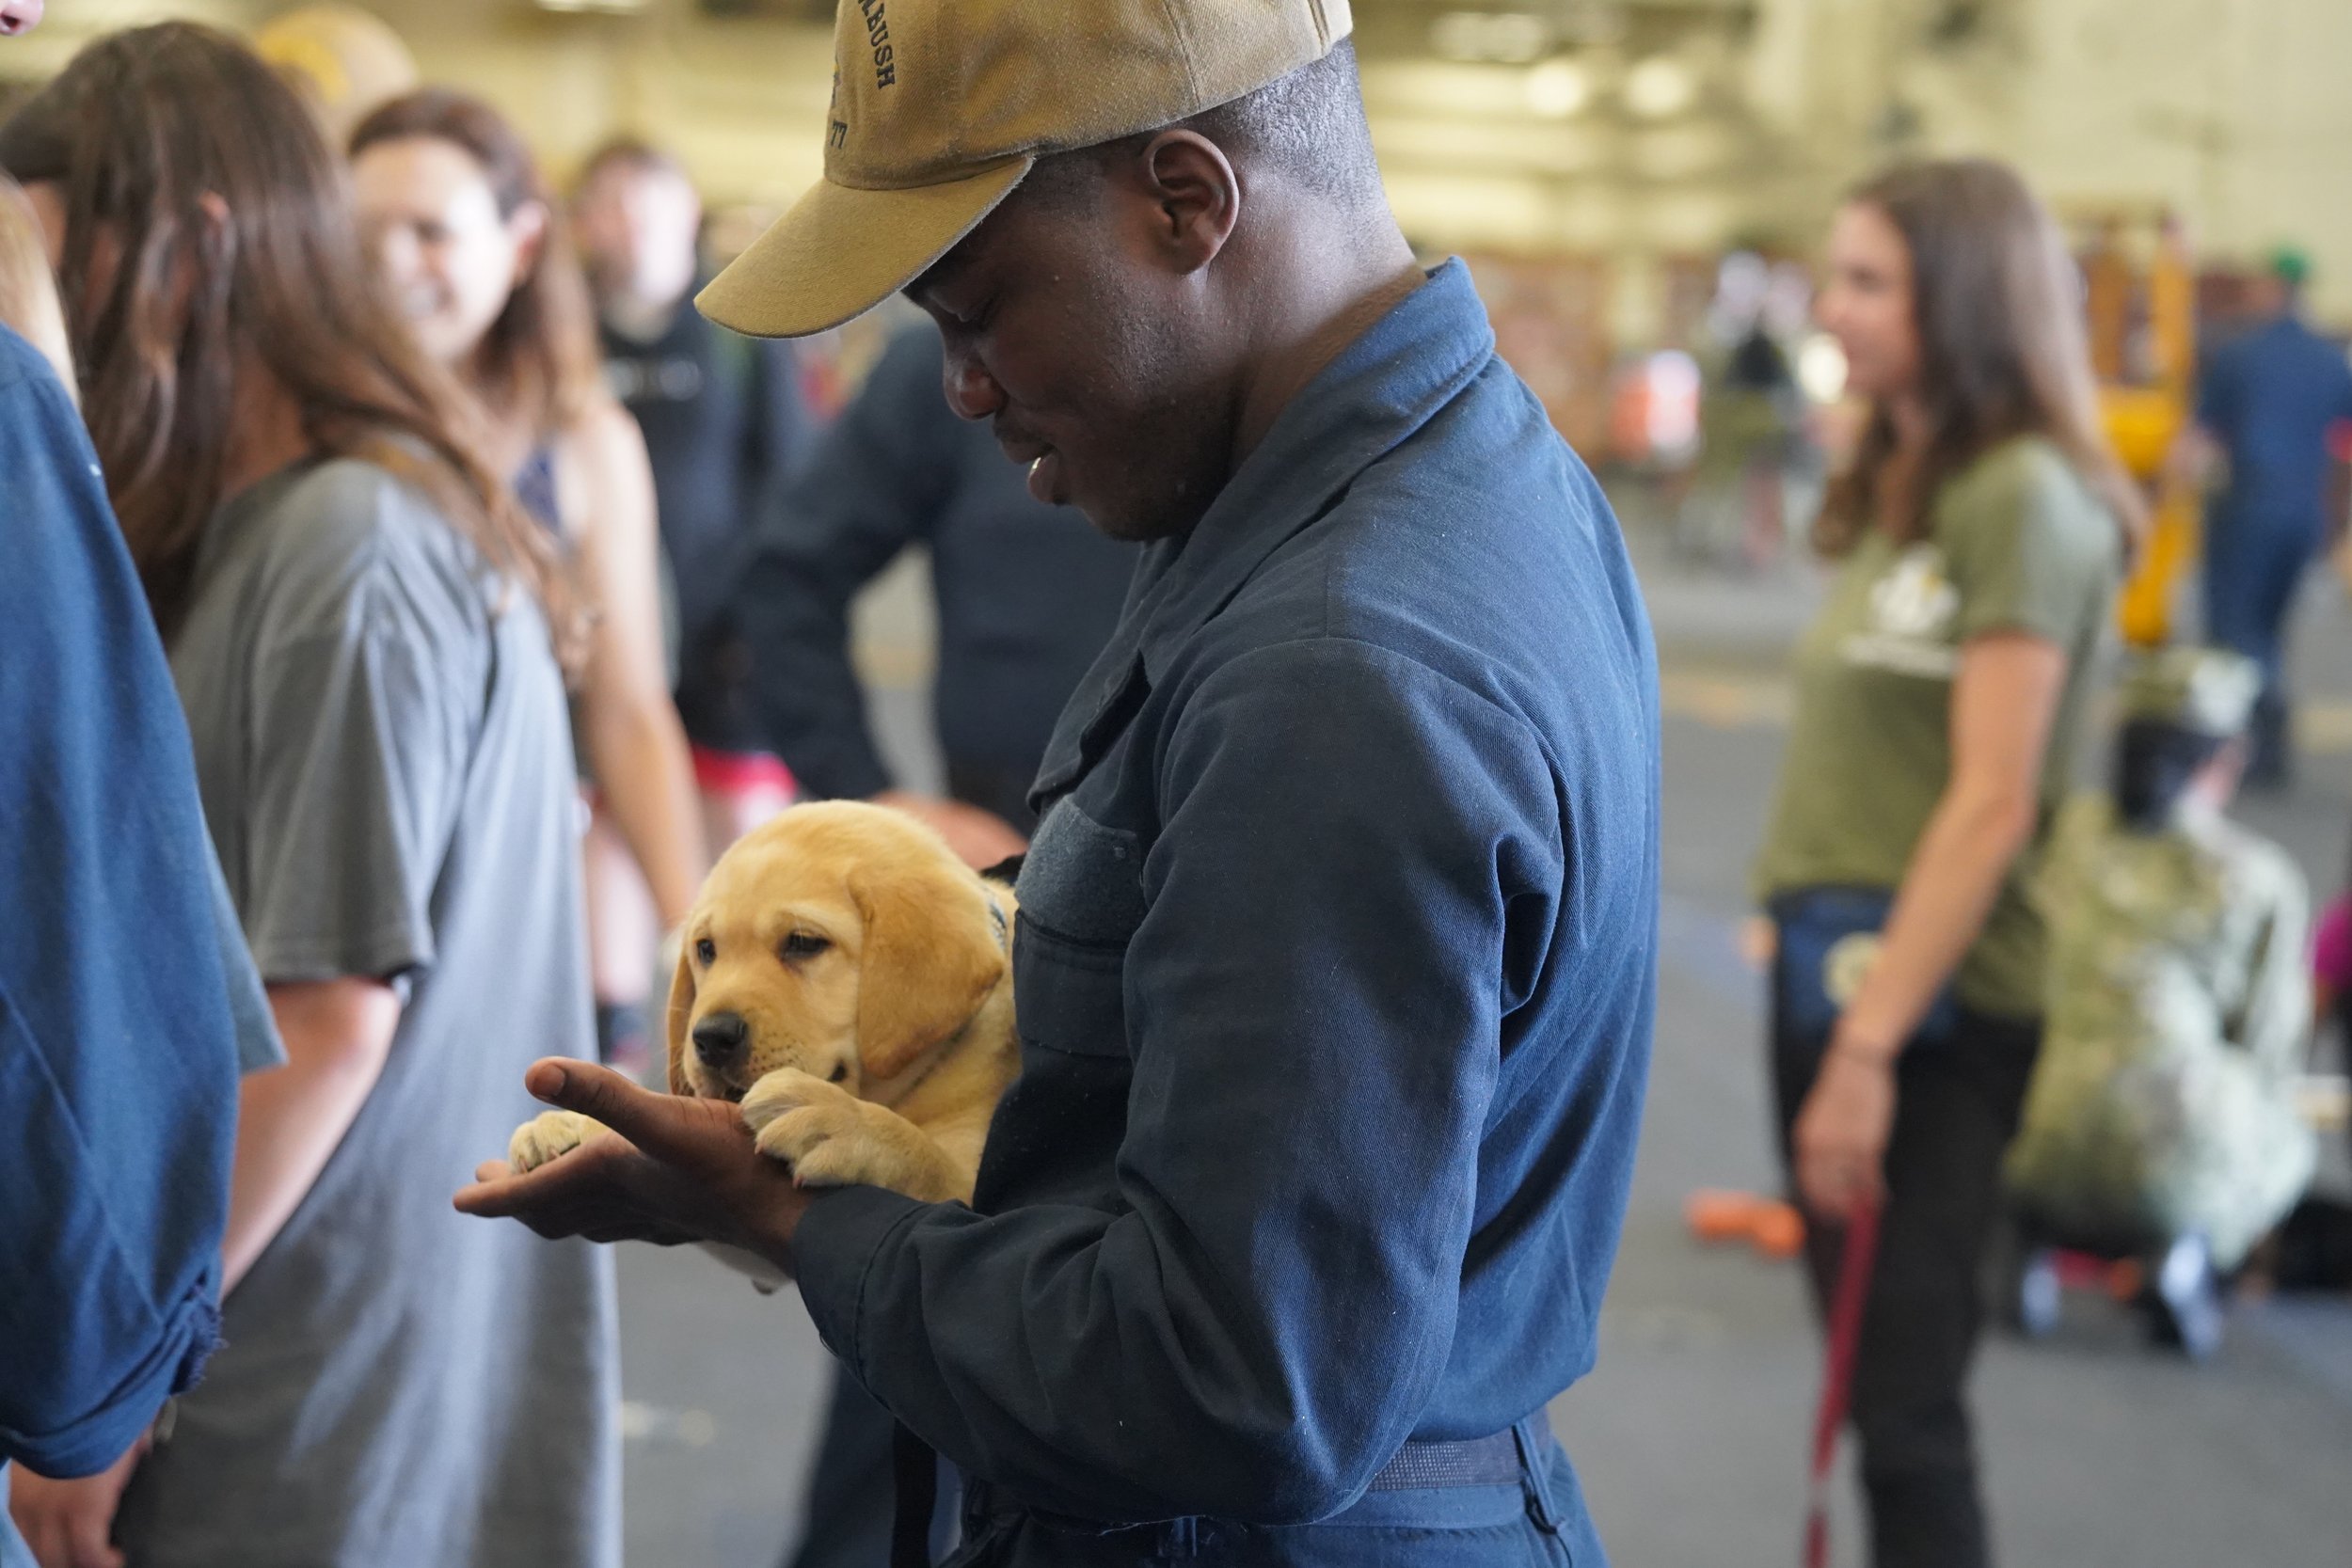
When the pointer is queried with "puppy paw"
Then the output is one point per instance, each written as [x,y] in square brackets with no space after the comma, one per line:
[546,1136]
[817,1128]
[789,1089]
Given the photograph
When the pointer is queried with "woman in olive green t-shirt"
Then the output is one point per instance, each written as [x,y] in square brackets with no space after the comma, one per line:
[1980,535]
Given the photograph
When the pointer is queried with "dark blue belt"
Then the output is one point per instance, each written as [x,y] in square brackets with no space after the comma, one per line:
[1477,1462]
[1517,1457]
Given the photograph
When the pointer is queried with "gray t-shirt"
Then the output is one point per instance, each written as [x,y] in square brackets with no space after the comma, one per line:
[382,750]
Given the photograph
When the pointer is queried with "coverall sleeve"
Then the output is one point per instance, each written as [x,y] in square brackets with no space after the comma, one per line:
[874,487]
[118,1053]
[1357,879]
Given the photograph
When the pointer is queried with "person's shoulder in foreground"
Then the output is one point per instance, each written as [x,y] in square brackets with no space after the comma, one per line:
[116,1106]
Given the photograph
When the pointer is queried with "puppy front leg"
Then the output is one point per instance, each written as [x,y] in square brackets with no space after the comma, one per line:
[546,1136]
[830,1138]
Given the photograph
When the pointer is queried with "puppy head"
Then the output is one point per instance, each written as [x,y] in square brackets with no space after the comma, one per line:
[839,938]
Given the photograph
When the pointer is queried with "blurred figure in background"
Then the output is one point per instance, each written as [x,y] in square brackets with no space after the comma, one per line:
[2162,1119]
[354,612]
[725,425]
[475,254]
[343,59]
[1027,593]
[1750,412]
[1939,692]
[2265,403]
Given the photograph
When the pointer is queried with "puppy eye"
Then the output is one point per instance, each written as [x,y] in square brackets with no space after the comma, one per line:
[804,944]
[706,950]
[840,1071]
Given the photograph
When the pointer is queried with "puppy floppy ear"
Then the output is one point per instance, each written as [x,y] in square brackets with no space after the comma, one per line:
[681,1015]
[932,955]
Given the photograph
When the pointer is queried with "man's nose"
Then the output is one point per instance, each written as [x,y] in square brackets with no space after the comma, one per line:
[971,392]
[719,1039]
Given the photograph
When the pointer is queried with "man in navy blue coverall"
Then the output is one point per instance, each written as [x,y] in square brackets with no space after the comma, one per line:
[1337,940]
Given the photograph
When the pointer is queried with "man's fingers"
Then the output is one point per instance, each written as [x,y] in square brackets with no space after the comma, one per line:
[662,1125]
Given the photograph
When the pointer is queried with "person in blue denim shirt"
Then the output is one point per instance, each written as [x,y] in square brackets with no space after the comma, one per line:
[1336,941]
[121,987]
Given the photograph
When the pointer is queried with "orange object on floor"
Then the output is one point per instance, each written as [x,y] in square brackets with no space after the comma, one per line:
[1775,1228]
[1779,1231]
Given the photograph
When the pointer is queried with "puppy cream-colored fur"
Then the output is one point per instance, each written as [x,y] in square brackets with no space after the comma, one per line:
[872,975]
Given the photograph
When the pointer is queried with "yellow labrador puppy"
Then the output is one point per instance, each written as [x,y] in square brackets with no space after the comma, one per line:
[849,981]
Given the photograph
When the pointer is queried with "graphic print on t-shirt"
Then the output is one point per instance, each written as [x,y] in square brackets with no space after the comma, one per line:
[1911,609]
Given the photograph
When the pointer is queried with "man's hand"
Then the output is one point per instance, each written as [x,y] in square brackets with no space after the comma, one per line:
[673,1169]
[980,838]
[70,1524]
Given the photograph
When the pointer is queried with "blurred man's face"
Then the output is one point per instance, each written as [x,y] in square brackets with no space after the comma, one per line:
[637,230]
[19,16]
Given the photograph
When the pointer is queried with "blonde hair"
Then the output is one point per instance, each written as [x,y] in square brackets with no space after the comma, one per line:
[28,294]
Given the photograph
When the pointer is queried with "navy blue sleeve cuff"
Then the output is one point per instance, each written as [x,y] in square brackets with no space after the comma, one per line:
[834,1253]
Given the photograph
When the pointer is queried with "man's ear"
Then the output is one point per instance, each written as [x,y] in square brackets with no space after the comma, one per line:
[1196,193]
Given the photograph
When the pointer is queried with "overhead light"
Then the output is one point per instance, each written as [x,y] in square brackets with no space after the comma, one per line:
[1506,37]
[1558,89]
[1659,86]
[599,7]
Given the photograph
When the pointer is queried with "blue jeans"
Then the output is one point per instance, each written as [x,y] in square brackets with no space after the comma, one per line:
[2251,575]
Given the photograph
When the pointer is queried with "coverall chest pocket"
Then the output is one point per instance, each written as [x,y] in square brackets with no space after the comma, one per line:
[1081,893]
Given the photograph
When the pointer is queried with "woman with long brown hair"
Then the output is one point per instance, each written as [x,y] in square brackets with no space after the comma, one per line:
[477,259]
[1978,538]
[358,617]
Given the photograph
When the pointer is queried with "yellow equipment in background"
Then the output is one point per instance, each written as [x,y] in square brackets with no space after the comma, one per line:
[2140,300]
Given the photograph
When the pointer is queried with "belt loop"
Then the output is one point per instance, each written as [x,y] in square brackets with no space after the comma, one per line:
[1180,1539]
[1534,1473]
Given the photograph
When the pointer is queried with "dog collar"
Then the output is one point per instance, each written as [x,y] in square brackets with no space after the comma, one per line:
[996,913]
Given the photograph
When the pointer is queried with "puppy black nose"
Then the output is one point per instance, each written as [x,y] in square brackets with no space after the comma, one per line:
[719,1039]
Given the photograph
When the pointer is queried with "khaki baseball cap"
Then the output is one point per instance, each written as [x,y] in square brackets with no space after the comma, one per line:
[939,107]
